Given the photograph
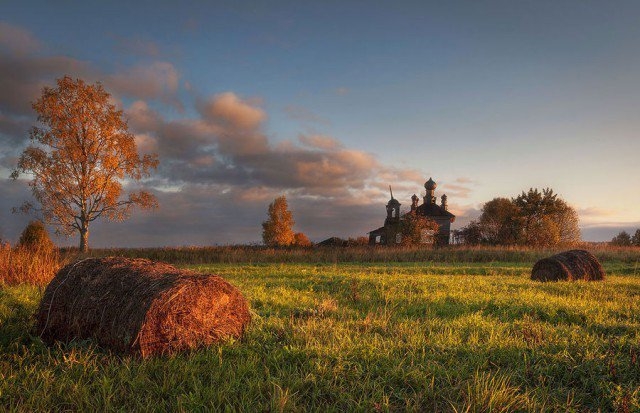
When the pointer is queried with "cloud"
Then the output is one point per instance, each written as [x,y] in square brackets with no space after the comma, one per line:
[158,80]
[590,212]
[342,91]
[320,142]
[219,167]
[232,111]
[456,190]
[17,39]
[23,77]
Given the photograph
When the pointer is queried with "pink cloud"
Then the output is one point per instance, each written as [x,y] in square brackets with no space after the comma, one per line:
[320,142]
[232,111]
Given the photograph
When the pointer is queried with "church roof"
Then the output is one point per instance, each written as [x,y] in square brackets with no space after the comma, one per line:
[430,184]
[434,210]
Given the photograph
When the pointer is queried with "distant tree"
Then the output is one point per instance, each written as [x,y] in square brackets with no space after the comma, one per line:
[35,237]
[499,223]
[623,239]
[471,234]
[546,219]
[533,218]
[80,159]
[567,221]
[277,230]
[301,240]
[416,229]
[635,240]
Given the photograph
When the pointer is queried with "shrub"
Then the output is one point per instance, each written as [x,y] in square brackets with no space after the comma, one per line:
[36,238]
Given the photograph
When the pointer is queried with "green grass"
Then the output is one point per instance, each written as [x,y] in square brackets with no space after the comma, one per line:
[366,337]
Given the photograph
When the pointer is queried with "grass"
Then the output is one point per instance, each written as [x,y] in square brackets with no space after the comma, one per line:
[21,265]
[366,336]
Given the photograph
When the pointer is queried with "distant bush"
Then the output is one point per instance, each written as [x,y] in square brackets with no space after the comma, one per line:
[36,238]
[301,240]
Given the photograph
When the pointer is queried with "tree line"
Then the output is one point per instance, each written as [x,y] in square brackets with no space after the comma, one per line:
[533,218]
[624,239]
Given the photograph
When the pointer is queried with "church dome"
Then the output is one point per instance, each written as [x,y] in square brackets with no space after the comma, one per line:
[430,185]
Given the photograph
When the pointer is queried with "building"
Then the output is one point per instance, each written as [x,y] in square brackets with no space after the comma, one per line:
[389,234]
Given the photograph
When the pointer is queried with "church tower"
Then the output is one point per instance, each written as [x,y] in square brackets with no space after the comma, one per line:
[430,186]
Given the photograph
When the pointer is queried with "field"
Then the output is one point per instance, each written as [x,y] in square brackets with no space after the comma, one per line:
[460,331]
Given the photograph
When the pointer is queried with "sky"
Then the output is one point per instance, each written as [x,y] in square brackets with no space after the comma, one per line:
[329,103]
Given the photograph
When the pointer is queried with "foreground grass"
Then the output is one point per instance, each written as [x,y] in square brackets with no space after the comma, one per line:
[370,337]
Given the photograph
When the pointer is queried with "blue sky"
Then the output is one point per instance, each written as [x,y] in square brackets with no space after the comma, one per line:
[342,99]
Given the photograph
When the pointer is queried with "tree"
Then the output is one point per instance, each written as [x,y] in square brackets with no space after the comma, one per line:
[635,240]
[499,222]
[545,219]
[277,229]
[416,229]
[470,235]
[35,237]
[623,239]
[80,159]
[533,218]
[301,240]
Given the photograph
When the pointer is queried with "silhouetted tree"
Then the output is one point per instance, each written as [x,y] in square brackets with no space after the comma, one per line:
[80,158]
[623,239]
[635,240]
[471,234]
[277,230]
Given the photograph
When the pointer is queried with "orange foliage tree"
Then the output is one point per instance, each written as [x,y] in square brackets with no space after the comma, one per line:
[80,159]
[277,230]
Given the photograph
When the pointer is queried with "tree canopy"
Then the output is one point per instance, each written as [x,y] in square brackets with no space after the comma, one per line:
[35,237]
[623,239]
[533,218]
[80,159]
[277,230]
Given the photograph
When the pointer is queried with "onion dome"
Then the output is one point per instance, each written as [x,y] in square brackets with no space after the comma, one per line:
[430,185]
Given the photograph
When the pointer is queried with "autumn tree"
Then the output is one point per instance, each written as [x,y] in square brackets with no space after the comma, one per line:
[499,222]
[80,158]
[301,240]
[533,218]
[35,237]
[277,230]
[545,219]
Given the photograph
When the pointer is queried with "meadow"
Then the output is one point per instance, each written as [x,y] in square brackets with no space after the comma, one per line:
[361,330]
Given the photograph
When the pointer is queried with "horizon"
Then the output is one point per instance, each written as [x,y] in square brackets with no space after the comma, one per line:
[330,104]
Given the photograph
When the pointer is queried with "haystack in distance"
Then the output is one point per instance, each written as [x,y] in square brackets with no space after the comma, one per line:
[569,265]
[136,306]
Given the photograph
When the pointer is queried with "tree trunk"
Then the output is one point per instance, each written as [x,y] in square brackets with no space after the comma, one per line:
[84,237]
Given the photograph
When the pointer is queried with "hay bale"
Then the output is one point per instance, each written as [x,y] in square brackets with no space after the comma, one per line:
[136,306]
[569,265]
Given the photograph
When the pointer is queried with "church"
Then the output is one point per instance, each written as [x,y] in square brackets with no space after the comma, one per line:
[389,234]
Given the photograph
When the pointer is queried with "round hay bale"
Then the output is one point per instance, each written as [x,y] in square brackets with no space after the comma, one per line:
[569,265]
[137,306]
